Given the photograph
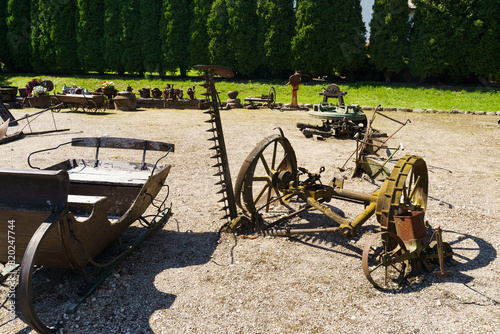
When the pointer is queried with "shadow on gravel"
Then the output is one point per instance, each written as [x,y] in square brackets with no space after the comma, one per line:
[470,253]
[128,297]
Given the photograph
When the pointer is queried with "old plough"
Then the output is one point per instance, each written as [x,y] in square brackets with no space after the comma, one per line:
[66,214]
[270,178]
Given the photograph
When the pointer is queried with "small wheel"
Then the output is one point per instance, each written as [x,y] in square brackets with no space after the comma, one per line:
[54,101]
[73,106]
[383,266]
[263,175]
[89,106]
[430,253]
[272,97]
[404,190]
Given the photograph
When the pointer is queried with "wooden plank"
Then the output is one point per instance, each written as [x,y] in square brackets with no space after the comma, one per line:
[40,190]
[111,176]
[83,199]
[124,143]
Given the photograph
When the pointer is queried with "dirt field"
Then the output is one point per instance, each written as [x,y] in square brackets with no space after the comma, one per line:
[182,280]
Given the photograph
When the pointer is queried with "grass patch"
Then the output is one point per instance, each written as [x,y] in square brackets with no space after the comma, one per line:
[364,93]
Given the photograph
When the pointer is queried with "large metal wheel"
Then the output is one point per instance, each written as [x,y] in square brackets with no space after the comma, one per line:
[54,101]
[90,106]
[26,275]
[265,173]
[405,189]
[382,264]
[73,106]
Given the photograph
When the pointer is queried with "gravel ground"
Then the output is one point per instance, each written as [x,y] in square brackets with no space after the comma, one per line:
[184,280]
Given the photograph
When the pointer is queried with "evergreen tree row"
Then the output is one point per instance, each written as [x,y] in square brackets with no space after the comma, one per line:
[258,38]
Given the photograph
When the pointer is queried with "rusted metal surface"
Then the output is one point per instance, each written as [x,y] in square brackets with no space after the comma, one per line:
[294,80]
[270,177]
[384,260]
[410,226]
[333,91]
[269,100]
[219,145]
[369,144]
[169,92]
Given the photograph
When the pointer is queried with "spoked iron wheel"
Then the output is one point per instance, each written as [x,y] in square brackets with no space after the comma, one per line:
[54,101]
[26,299]
[264,175]
[382,264]
[405,189]
[90,106]
[73,106]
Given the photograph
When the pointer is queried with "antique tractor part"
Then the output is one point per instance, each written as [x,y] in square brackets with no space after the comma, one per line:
[219,146]
[333,91]
[338,119]
[368,144]
[269,100]
[270,178]
[387,256]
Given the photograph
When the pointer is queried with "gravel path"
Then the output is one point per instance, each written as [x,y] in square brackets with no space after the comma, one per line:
[183,280]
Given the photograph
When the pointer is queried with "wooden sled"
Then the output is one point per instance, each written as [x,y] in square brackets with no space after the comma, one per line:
[66,214]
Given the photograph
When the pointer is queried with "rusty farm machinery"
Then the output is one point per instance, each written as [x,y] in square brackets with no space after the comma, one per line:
[338,119]
[270,178]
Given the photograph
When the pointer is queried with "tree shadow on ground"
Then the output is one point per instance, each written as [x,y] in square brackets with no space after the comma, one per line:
[128,297]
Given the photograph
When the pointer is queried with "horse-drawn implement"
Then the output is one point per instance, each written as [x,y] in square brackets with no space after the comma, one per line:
[66,214]
[270,178]
[88,103]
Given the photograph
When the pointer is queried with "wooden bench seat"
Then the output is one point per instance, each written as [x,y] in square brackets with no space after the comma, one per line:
[105,176]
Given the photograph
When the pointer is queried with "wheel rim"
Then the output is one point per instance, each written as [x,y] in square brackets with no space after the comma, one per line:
[406,189]
[257,183]
[30,316]
[54,101]
[73,107]
[90,106]
[380,264]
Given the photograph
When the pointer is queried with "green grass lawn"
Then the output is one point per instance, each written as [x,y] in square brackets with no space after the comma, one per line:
[363,93]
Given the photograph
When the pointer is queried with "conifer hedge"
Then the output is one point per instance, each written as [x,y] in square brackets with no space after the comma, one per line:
[18,35]
[454,40]
[4,46]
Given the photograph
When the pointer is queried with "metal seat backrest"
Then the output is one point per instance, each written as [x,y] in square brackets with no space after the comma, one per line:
[33,190]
